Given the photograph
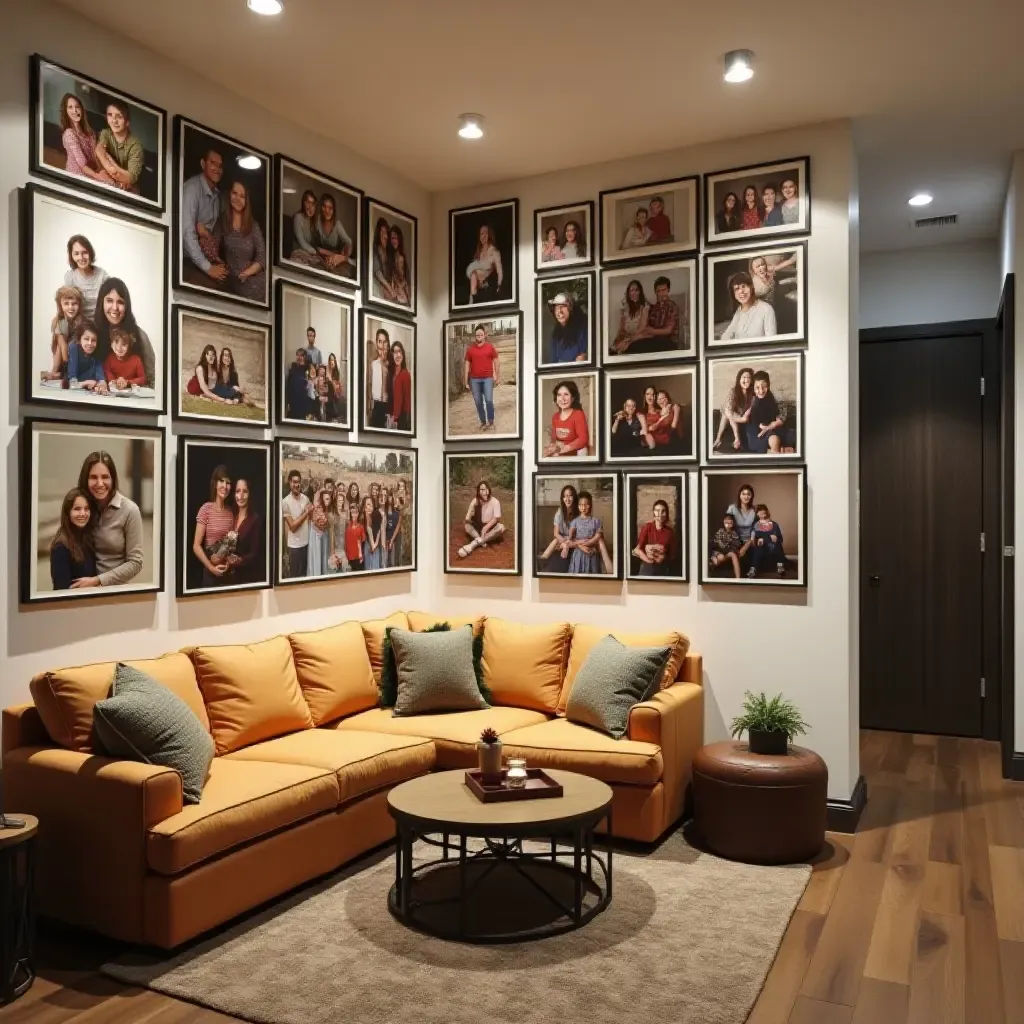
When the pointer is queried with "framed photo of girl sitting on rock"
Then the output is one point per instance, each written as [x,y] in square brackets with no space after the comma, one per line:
[482,505]
[483,256]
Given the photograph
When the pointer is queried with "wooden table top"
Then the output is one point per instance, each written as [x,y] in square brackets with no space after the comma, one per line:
[13,836]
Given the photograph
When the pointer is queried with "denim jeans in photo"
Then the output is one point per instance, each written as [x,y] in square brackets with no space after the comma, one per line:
[483,396]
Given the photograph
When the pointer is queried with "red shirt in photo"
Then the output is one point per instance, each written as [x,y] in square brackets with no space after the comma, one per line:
[660,228]
[572,431]
[355,534]
[481,360]
[130,368]
[666,537]
[401,394]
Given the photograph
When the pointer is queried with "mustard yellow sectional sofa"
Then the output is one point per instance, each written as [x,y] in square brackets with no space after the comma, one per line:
[304,761]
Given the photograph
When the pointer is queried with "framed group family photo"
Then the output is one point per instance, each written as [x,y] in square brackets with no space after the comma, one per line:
[566,320]
[388,374]
[576,522]
[746,205]
[652,221]
[568,416]
[650,414]
[482,503]
[564,237]
[657,527]
[391,263]
[483,256]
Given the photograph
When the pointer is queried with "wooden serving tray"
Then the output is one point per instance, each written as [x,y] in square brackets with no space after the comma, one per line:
[538,785]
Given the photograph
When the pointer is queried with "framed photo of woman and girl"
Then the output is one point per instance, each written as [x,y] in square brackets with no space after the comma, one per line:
[576,525]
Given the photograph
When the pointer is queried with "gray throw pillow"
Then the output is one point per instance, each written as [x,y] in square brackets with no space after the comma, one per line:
[612,679]
[435,672]
[144,721]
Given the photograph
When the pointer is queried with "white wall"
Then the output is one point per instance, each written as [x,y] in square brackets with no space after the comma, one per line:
[930,285]
[802,643]
[35,638]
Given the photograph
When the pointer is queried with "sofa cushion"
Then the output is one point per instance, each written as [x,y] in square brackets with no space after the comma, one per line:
[559,743]
[251,692]
[65,697]
[421,621]
[364,761]
[373,635]
[242,801]
[524,665]
[435,671]
[584,637]
[334,671]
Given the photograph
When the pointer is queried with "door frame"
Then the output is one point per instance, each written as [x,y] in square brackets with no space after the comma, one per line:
[992,704]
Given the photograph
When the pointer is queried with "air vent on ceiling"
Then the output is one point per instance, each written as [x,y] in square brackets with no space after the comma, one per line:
[936,222]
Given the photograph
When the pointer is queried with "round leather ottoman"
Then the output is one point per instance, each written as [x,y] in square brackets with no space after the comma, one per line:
[760,808]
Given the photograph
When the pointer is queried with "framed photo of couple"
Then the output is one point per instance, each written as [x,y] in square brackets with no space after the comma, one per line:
[389,368]
[483,508]
[483,261]
[747,205]
[391,259]
[657,527]
[652,221]
[564,237]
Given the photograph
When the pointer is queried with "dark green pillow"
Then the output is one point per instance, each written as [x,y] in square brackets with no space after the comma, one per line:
[435,671]
[144,721]
[388,687]
[611,680]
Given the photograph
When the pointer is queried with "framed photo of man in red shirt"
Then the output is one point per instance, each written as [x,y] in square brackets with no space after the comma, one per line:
[657,527]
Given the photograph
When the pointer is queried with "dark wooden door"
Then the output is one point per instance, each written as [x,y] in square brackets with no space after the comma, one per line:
[921,528]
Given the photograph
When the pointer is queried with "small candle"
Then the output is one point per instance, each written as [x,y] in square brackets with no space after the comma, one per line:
[516,774]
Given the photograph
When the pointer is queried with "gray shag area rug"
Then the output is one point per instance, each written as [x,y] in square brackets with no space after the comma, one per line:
[687,938]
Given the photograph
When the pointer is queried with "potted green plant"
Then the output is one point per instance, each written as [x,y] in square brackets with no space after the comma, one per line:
[769,724]
[488,751]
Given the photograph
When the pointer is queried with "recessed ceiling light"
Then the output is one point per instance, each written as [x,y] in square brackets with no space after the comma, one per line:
[739,66]
[920,199]
[249,162]
[471,126]
[268,7]
[289,191]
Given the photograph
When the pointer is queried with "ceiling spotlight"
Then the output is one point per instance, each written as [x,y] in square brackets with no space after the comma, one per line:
[268,7]
[739,65]
[470,126]
[920,199]
[249,162]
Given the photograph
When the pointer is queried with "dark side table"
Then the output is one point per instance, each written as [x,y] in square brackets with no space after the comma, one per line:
[17,908]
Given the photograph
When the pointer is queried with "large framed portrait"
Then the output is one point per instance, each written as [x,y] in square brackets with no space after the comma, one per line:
[576,525]
[645,222]
[563,237]
[755,408]
[482,375]
[314,357]
[225,520]
[657,527]
[90,136]
[392,264]
[483,256]
[92,503]
[344,510]
[388,373]
[756,297]
[650,313]
[753,526]
[482,509]
[221,367]
[566,308]
[96,315]
[318,223]
[222,216]
[650,414]
[746,205]
[566,406]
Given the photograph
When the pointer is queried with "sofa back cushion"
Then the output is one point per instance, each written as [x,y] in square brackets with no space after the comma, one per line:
[421,621]
[65,697]
[373,635]
[251,692]
[334,671]
[524,665]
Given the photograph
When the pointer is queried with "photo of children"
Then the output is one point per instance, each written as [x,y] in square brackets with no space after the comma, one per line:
[565,320]
[563,237]
[657,526]
[576,525]
[389,382]
[748,203]
[567,418]
[646,221]
[651,414]
[482,513]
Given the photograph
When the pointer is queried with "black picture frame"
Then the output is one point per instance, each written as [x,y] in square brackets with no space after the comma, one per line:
[72,431]
[397,309]
[38,305]
[360,449]
[459,247]
[181,125]
[394,327]
[555,215]
[543,534]
[549,381]
[219,447]
[452,365]
[452,516]
[38,165]
[675,452]
[675,478]
[282,164]
[688,185]
[544,286]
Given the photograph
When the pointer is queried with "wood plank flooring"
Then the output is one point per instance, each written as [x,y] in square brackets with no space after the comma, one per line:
[918,919]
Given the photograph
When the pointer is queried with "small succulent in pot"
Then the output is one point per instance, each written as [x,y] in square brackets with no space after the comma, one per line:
[769,724]
[488,751]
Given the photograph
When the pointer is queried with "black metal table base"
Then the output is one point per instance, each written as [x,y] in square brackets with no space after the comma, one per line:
[17,921]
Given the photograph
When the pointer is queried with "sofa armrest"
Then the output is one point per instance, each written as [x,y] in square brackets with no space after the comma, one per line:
[691,670]
[21,726]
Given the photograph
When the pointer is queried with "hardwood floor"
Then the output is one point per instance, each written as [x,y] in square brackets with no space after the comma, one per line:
[918,919]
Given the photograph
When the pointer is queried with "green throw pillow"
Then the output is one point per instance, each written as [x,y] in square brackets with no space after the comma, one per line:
[435,671]
[388,688]
[144,721]
[612,679]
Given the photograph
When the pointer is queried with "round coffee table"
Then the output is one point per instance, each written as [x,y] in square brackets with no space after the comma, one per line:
[443,896]
[17,920]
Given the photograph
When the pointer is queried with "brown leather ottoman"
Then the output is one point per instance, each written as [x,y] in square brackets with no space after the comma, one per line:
[760,808]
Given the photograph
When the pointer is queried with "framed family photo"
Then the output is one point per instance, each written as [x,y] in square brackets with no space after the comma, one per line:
[221,367]
[225,522]
[576,525]
[483,256]
[650,313]
[567,405]
[319,220]
[756,297]
[96,309]
[222,216]
[657,528]
[650,221]
[482,379]
[482,512]
[392,269]
[650,414]
[90,136]
[753,526]
[388,373]
[746,205]
[92,504]
[314,357]
[564,237]
[566,308]
[755,408]
[344,510]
